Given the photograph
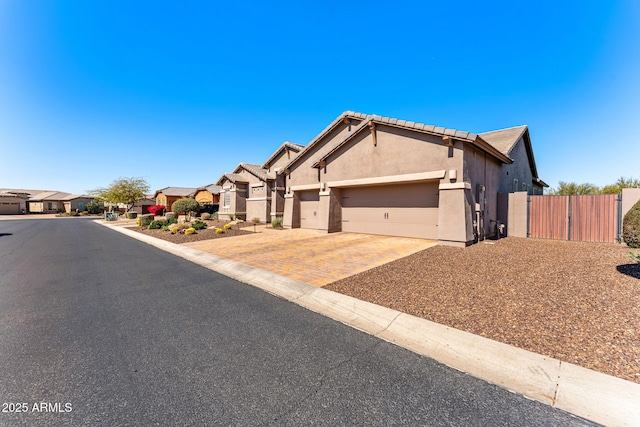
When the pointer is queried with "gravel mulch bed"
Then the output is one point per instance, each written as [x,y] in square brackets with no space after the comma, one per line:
[575,301]
[206,234]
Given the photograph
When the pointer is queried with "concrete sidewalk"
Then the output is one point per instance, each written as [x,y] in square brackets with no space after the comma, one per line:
[580,391]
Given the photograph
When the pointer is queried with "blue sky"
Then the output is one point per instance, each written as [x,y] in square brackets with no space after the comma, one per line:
[180,92]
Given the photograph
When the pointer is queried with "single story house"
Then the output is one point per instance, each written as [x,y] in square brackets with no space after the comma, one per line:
[166,196]
[75,202]
[47,202]
[13,202]
[252,191]
[380,175]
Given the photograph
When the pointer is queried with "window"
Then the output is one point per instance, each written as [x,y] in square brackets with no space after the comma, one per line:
[515,185]
[227,198]
[52,206]
[524,186]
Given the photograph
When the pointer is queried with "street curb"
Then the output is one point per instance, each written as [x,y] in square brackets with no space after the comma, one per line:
[588,394]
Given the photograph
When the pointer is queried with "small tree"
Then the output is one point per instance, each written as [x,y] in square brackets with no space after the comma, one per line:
[631,226]
[186,206]
[127,191]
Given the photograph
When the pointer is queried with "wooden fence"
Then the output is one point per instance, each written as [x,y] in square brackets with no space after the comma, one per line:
[590,218]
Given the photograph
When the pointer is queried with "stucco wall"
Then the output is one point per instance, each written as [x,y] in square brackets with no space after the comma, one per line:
[630,197]
[519,170]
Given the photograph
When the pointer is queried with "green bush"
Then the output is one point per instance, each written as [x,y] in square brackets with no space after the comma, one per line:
[232,217]
[93,207]
[276,222]
[631,226]
[155,225]
[131,215]
[215,215]
[199,225]
[205,216]
[168,221]
[185,205]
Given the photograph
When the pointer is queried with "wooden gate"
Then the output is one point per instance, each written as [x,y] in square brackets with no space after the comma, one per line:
[589,218]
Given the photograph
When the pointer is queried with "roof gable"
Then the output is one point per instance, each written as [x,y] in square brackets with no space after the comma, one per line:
[286,146]
[175,191]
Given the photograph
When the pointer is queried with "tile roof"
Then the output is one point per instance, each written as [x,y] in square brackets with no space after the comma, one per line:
[258,171]
[233,177]
[293,146]
[211,188]
[176,191]
[504,139]
[49,195]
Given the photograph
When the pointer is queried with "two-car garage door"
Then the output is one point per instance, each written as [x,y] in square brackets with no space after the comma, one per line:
[408,210]
[9,208]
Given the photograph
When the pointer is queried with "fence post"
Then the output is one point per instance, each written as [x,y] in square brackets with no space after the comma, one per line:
[619,225]
[569,214]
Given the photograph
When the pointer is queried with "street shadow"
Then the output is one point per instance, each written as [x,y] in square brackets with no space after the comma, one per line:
[6,234]
[632,270]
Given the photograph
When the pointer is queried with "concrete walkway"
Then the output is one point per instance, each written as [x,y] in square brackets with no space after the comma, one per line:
[311,256]
[589,394]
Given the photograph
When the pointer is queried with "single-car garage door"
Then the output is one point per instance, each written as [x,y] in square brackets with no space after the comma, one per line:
[309,203]
[8,208]
[408,210]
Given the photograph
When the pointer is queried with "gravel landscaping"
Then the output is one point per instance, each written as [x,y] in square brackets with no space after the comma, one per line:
[205,234]
[575,301]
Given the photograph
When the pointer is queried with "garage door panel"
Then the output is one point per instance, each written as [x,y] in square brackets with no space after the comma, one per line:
[309,205]
[408,210]
[9,208]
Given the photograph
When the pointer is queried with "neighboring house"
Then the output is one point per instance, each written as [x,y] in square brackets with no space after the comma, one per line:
[13,202]
[140,207]
[254,191]
[168,195]
[47,202]
[208,195]
[74,202]
[378,175]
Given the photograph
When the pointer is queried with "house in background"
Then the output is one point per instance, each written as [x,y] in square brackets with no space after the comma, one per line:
[13,202]
[379,175]
[74,202]
[47,202]
[166,196]
[252,191]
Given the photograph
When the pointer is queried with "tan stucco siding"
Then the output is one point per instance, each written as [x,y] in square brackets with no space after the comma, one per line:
[396,152]
[302,171]
[519,173]
[204,197]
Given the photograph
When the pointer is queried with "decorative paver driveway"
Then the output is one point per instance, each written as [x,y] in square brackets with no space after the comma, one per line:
[312,256]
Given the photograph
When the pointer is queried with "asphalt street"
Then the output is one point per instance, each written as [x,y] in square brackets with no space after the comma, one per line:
[99,329]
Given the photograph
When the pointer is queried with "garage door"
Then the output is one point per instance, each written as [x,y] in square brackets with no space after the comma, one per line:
[408,210]
[7,208]
[309,203]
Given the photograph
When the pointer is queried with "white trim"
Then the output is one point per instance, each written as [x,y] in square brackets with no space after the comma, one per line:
[257,184]
[455,186]
[258,199]
[325,193]
[390,179]
[288,196]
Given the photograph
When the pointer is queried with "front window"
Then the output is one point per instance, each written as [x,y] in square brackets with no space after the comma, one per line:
[227,198]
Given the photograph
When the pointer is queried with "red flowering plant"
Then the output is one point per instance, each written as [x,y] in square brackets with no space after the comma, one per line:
[157,209]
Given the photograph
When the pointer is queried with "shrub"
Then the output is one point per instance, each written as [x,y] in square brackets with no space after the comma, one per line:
[185,205]
[165,228]
[631,226]
[227,226]
[131,215]
[93,207]
[190,230]
[215,215]
[219,231]
[255,220]
[155,225]
[199,225]
[276,222]
[205,216]
[635,257]
[232,217]
[169,221]
[156,209]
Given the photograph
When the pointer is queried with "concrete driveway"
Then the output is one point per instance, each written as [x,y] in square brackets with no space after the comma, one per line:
[312,256]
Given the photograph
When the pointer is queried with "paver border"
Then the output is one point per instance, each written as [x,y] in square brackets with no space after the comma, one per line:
[583,392]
